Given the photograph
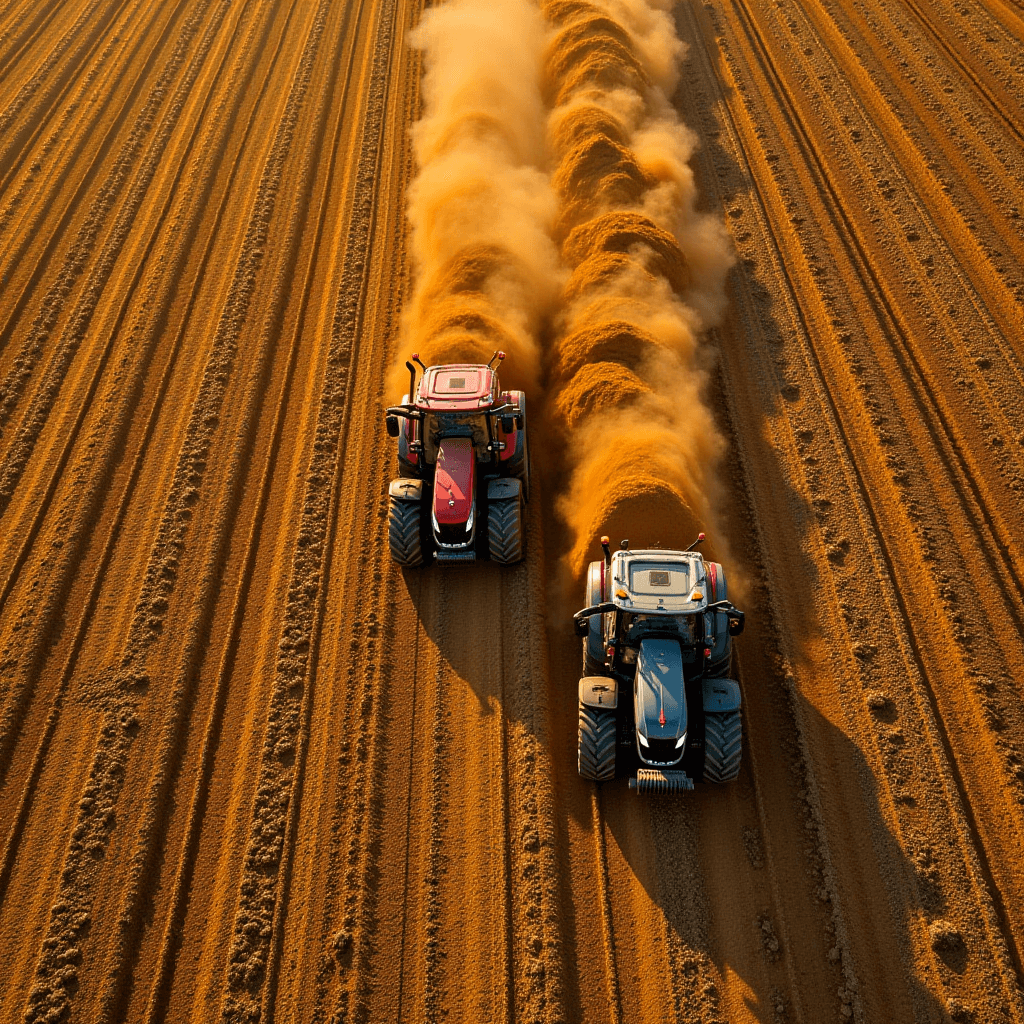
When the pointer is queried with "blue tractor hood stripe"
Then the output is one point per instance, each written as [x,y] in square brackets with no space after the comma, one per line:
[659,686]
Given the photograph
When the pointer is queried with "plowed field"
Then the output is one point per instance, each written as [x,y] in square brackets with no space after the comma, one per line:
[250,770]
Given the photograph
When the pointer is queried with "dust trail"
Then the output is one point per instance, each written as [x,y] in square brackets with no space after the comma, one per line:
[626,371]
[481,208]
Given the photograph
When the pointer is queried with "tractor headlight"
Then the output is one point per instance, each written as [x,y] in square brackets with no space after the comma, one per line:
[472,516]
[680,741]
[643,739]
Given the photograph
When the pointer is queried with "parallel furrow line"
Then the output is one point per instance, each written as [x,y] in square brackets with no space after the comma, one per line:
[846,232]
[993,305]
[270,847]
[153,829]
[1009,122]
[38,24]
[110,544]
[404,970]
[69,113]
[80,250]
[79,39]
[160,992]
[433,938]
[994,542]
[65,145]
[77,329]
[128,682]
[20,661]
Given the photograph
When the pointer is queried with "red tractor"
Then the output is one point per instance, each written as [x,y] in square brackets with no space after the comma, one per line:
[463,461]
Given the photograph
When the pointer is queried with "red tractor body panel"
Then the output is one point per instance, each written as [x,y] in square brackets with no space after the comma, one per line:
[455,480]
[463,387]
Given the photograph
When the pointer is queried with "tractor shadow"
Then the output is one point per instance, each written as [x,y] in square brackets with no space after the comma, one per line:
[753,877]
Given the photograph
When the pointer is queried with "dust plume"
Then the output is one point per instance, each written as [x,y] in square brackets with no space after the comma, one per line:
[481,208]
[647,273]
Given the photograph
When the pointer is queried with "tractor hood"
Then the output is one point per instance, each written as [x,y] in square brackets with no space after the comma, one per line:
[454,483]
[660,705]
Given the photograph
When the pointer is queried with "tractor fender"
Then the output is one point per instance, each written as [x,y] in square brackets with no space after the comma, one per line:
[504,488]
[719,591]
[721,695]
[516,451]
[594,643]
[595,583]
[599,692]
[406,489]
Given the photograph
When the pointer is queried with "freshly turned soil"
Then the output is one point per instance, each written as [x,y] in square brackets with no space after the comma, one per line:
[251,770]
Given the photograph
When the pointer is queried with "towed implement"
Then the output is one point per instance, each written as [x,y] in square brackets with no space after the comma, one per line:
[657,649]
[464,467]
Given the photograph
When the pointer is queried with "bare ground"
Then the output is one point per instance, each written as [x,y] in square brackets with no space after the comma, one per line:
[247,766]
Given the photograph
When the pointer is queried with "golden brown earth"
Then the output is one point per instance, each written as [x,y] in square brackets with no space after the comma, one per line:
[247,768]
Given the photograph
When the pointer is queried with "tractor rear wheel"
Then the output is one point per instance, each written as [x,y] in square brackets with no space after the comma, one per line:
[505,530]
[597,737]
[723,745]
[404,533]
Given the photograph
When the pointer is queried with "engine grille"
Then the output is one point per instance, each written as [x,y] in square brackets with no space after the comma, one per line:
[661,752]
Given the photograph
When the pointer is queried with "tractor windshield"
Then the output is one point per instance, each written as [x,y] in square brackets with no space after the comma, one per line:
[438,425]
[688,628]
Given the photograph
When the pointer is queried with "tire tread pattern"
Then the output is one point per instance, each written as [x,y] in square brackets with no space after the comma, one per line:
[597,738]
[505,531]
[723,745]
[404,533]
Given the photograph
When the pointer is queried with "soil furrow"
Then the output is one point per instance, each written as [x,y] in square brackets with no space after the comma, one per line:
[64,109]
[130,679]
[48,389]
[118,180]
[157,1004]
[268,855]
[249,769]
[22,661]
[38,208]
[49,78]
[952,762]
[104,560]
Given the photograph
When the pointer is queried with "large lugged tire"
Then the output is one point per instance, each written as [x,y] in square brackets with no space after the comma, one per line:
[505,530]
[404,532]
[723,745]
[597,738]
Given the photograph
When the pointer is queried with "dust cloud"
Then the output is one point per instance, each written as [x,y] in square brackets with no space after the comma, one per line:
[481,208]
[647,275]
[553,216]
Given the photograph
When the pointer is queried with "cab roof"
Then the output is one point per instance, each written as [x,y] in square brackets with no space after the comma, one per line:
[464,387]
[672,582]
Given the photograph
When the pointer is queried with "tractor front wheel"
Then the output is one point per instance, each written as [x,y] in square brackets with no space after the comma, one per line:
[505,541]
[597,737]
[723,745]
[404,533]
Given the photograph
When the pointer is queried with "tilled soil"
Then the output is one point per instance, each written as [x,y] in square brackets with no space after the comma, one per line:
[248,769]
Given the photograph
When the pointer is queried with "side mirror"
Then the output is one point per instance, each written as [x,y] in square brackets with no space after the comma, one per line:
[735,627]
[519,421]
[508,423]
[581,626]
[392,424]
